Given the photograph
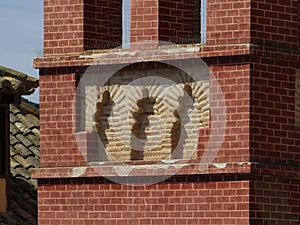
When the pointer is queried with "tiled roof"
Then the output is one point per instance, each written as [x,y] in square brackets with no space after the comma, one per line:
[24,156]
[12,81]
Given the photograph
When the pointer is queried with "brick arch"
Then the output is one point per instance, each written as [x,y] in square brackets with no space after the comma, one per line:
[128,110]
[125,90]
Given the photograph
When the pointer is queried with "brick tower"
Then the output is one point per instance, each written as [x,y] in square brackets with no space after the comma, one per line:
[90,158]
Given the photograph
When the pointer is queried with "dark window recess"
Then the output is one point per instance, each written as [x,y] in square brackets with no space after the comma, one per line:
[103,24]
[180,21]
[9,98]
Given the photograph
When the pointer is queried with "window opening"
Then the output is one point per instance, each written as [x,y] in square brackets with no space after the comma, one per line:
[126,24]
[103,24]
[182,22]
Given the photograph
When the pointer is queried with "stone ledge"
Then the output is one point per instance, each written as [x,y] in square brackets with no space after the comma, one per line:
[161,168]
[164,168]
[123,56]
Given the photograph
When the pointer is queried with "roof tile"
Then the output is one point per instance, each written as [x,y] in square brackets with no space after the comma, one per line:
[13,139]
[34,139]
[22,127]
[24,152]
[25,141]
[12,81]
[26,164]
[24,147]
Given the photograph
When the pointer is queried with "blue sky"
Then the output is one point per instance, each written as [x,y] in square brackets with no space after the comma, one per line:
[21,35]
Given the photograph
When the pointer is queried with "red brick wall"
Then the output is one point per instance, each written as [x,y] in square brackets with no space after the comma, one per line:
[275,200]
[228,22]
[198,199]
[82,25]
[211,200]
[144,21]
[233,77]
[259,91]
[73,28]
[63,27]
[57,91]
[274,24]
[298,25]
[58,147]
[274,138]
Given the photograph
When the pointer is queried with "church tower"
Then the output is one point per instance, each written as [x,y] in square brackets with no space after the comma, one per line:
[169,112]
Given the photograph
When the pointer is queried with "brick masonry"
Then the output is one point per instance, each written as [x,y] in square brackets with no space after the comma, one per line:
[179,200]
[251,49]
[144,21]
[159,121]
[63,27]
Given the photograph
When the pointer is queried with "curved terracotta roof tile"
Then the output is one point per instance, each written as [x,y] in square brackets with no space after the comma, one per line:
[24,156]
[12,81]
[24,147]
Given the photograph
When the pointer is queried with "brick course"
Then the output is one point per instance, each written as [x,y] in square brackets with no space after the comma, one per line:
[180,200]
